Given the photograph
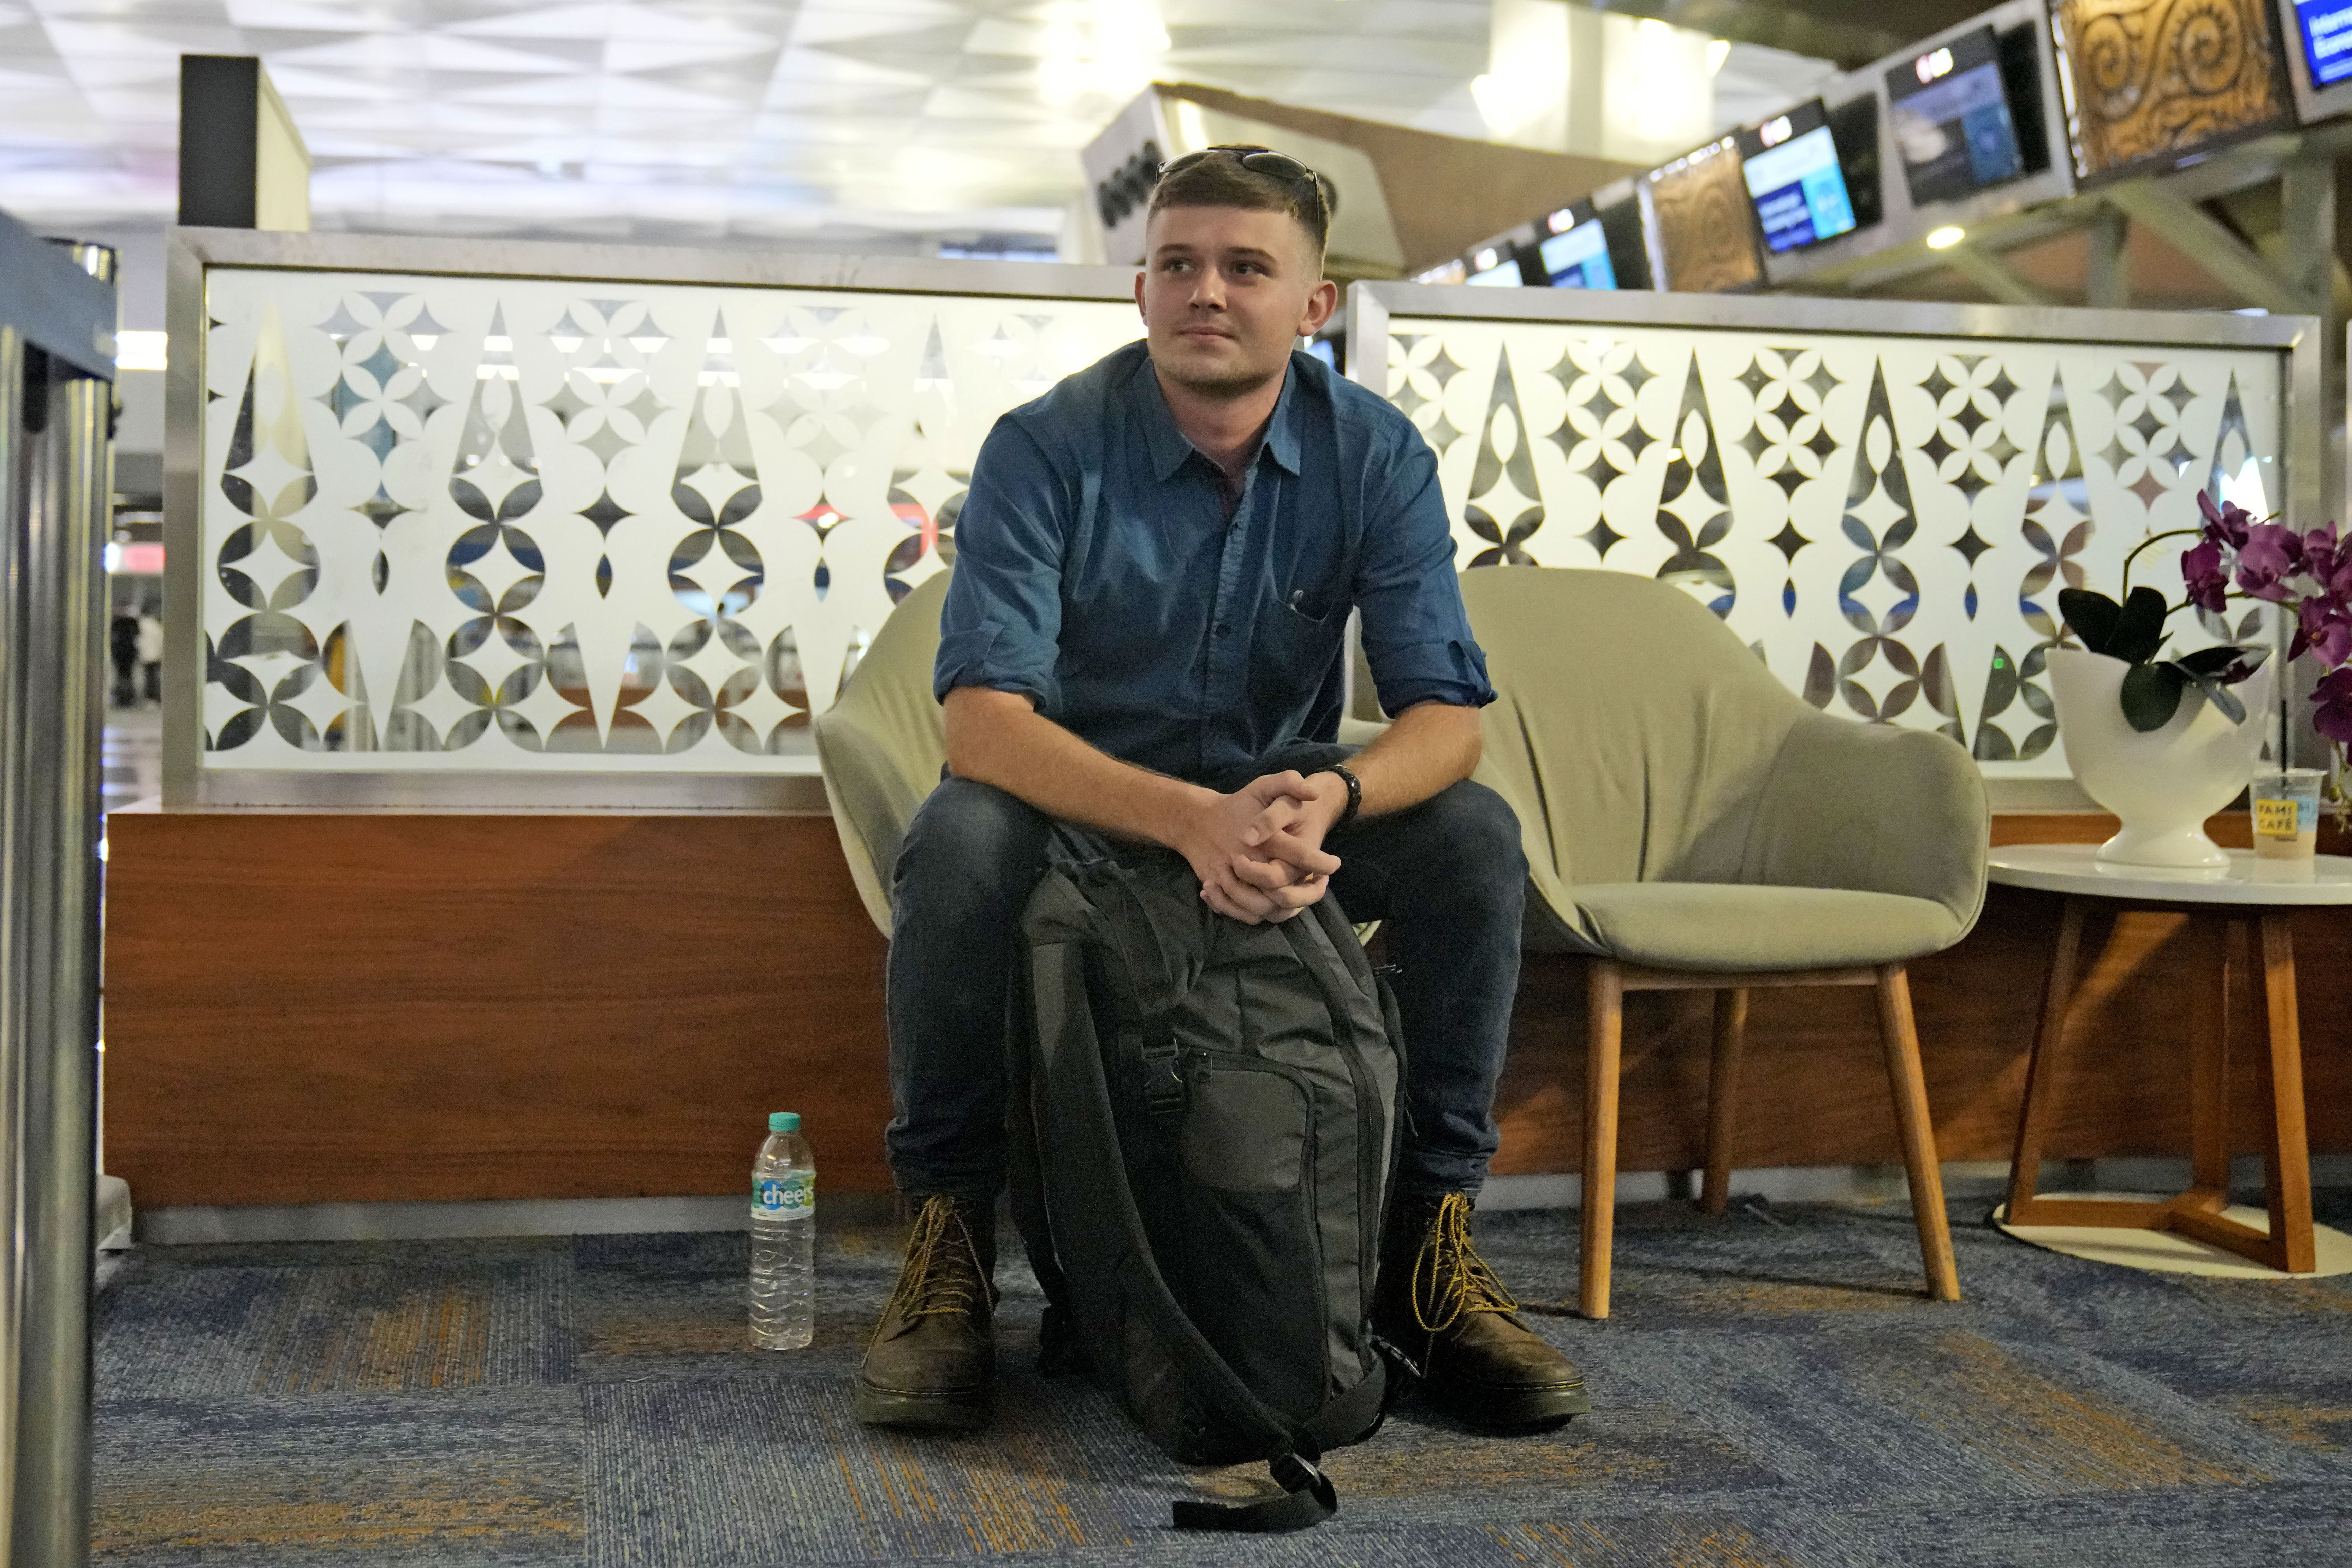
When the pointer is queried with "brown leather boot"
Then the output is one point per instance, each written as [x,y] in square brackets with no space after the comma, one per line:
[1438,1302]
[928,1363]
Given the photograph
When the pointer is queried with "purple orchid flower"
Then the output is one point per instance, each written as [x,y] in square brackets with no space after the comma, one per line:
[2322,628]
[2270,554]
[2332,706]
[2226,523]
[2200,569]
[2322,555]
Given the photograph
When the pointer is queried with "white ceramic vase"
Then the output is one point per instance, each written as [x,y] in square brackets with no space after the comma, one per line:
[2163,783]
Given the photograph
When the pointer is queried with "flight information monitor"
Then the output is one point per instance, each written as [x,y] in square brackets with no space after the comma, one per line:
[1951,119]
[1494,267]
[1575,250]
[1791,167]
[2327,29]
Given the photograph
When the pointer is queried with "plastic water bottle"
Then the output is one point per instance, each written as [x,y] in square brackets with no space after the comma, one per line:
[784,1228]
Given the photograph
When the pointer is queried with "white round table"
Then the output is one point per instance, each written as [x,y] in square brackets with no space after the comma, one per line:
[2259,896]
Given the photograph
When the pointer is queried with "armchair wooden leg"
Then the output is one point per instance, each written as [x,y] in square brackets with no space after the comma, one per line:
[1917,1130]
[1723,1095]
[1604,1036]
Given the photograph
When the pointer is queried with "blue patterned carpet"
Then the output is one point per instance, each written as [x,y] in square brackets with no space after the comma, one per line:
[1767,1393]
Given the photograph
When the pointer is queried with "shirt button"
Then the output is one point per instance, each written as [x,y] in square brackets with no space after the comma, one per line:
[1225,628]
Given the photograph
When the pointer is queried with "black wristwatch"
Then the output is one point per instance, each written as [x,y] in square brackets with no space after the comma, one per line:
[1355,795]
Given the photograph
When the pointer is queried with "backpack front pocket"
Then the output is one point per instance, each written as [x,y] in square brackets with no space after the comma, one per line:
[1252,1276]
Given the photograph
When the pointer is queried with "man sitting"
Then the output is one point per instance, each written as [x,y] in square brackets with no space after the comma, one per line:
[1155,568]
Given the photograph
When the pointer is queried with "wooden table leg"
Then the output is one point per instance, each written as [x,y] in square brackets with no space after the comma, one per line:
[2289,1153]
[1723,1095]
[2209,1073]
[1604,1038]
[2286,1245]
[2042,1068]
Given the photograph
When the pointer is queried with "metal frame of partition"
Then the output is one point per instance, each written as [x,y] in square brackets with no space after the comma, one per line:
[57,348]
[193,253]
[2298,338]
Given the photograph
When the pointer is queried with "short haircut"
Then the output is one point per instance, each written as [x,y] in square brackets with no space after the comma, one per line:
[1218,181]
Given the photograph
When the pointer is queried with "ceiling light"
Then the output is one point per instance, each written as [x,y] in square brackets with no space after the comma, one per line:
[1947,237]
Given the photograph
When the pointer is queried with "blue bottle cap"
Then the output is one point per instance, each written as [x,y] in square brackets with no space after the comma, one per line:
[783,1122]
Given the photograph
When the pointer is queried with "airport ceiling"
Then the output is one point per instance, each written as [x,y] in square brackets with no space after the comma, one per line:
[1849,32]
[770,121]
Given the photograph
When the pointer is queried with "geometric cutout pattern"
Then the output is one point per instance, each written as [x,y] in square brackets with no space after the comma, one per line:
[464,524]
[1885,520]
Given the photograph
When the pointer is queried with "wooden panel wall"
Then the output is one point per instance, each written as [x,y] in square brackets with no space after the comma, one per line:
[313,1009]
[365,1008]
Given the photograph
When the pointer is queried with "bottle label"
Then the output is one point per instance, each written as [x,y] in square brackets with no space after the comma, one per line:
[791,1195]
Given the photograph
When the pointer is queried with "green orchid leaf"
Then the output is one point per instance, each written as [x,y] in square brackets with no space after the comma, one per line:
[2140,630]
[2209,660]
[2151,695]
[2090,616]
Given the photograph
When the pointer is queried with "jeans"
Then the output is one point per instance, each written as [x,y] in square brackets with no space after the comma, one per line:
[1447,878]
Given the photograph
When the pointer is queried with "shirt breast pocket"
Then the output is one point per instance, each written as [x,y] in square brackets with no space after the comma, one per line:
[1299,642]
[1310,605]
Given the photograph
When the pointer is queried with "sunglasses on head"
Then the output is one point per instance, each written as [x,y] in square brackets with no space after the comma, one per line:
[1260,160]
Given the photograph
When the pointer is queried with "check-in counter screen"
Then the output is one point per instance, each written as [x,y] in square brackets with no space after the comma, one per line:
[1951,120]
[1793,177]
[1578,259]
[1494,267]
[2326,28]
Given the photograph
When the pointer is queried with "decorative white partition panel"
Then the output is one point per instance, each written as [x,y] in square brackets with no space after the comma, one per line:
[481,525]
[517,523]
[1882,500]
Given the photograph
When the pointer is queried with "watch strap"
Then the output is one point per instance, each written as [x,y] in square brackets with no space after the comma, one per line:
[1355,793]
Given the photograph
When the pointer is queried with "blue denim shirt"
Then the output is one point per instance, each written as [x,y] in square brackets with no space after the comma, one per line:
[1097,571]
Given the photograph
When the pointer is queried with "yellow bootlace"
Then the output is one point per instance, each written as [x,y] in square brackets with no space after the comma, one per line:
[1449,1274]
[940,1275]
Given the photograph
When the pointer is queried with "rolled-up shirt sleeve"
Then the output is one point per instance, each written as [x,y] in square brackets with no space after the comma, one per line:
[1416,634]
[1001,625]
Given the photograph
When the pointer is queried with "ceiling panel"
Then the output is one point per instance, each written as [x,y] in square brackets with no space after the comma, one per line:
[816,122]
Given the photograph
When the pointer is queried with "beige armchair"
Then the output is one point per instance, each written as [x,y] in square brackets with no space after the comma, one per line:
[1691,824]
[883,743]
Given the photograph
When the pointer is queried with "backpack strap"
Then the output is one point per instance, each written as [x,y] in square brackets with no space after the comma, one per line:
[1058,1349]
[1141,950]
[1307,1497]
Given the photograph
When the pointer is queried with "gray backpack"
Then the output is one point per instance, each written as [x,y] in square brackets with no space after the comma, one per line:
[1204,1129]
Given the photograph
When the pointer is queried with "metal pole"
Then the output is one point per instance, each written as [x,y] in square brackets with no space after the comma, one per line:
[13,890]
[2307,195]
[58,684]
